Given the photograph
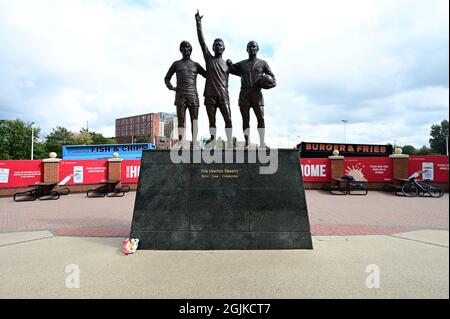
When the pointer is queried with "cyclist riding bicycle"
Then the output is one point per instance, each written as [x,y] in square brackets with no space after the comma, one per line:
[421,187]
[414,176]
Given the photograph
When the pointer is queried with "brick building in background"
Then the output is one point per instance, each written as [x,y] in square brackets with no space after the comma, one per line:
[128,129]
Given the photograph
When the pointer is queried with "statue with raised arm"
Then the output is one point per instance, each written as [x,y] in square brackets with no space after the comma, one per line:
[216,87]
[186,96]
[255,75]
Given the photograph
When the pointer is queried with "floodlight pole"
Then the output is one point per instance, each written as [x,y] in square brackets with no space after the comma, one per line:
[345,130]
[32,140]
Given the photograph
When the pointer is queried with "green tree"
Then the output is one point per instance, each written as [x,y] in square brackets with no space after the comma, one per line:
[39,151]
[142,139]
[57,138]
[111,140]
[15,140]
[98,138]
[220,143]
[82,138]
[439,135]
[409,149]
[424,150]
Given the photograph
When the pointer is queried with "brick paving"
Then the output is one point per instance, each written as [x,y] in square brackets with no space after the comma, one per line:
[378,209]
[94,232]
[377,213]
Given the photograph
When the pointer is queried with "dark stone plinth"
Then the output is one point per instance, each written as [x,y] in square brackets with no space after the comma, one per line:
[197,205]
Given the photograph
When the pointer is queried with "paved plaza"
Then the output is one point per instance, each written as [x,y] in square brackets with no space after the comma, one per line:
[402,241]
[378,213]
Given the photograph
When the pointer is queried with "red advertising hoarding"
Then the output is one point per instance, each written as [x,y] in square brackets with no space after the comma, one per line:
[130,171]
[316,169]
[83,172]
[20,173]
[369,169]
[434,167]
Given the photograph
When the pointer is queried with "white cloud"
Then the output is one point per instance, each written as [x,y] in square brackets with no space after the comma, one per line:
[383,65]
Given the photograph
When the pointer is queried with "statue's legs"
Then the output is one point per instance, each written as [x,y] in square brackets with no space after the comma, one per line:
[211,109]
[259,112]
[245,112]
[226,113]
[193,112]
[181,114]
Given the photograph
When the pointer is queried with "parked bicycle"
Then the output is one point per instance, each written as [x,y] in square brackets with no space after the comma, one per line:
[417,187]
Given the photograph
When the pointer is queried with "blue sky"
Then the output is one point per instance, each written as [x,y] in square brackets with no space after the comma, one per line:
[380,64]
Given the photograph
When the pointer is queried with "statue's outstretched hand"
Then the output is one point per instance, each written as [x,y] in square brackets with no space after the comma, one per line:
[229,62]
[198,17]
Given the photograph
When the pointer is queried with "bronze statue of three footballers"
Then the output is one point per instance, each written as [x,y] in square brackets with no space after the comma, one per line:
[255,75]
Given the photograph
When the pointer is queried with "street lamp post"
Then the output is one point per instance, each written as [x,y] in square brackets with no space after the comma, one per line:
[446,143]
[345,130]
[32,140]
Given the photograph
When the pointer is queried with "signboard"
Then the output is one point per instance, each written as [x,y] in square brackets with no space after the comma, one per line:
[316,169]
[20,173]
[316,150]
[374,169]
[130,171]
[433,167]
[83,172]
[126,151]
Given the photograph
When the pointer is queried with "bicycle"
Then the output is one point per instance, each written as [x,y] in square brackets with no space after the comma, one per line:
[419,188]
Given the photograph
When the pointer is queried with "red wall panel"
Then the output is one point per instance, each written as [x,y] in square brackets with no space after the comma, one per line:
[19,173]
[83,171]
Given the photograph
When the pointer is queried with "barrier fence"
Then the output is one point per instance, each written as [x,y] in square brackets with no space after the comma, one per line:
[16,174]
[130,171]
[435,167]
[83,171]
[316,169]
[369,169]
[19,173]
